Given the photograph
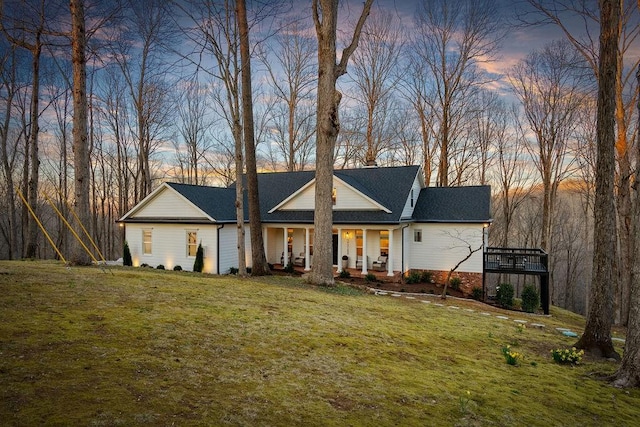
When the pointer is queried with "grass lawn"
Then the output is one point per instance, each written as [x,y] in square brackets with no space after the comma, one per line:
[82,346]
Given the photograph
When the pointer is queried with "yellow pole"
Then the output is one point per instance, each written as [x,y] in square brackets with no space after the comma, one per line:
[70,228]
[40,225]
[75,215]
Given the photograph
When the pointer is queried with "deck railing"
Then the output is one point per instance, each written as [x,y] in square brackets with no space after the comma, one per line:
[516,260]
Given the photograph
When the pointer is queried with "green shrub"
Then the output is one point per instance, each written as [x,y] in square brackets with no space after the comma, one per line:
[504,295]
[344,274]
[198,264]
[126,255]
[371,278]
[289,268]
[160,267]
[234,270]
[530,299]
[455,283]
[476,293]
[177,268]
[413,277]
[426,276]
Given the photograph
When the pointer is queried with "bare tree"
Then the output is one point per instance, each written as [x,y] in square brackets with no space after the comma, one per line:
[452,40]
[596,338]
[550,86]
[488,125]
[195,123]
[25,25]
[215,32]
[290,64]
[258,257]
[416,90]
[375,78]
[628,374]
[139,56]
[560,13]
[512,176]
[9,88]
[325,18]
[470,251]
[80,137]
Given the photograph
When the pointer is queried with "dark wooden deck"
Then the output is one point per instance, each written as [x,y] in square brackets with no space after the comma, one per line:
[515,261]
[529,261]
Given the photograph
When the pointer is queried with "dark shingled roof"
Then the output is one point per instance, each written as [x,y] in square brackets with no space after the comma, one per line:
[217,202]
[389,186]
[454,204]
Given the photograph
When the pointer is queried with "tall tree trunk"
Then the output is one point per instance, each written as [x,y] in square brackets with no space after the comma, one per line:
[242,260]
[34,175]
[10,86]
[596,338]
[628,374]
[325,18]
[80,142]
[259,266]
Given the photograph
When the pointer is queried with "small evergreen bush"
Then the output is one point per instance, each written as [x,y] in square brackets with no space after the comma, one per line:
[126,255]
[289,268]
[160,267]
[425,277]
[344,274]
[371,278]
[455,283]
[504,295]
[177,268]
[476,293]
[198,264]
[234,270]
[530,299]
[413,277]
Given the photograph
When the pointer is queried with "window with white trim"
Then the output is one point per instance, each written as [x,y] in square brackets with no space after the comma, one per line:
[384,242]
[192,243]
[146,241]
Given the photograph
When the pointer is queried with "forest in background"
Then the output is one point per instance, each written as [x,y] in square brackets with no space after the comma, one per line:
[163,82]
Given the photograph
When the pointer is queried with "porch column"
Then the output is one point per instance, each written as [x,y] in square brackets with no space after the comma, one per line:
[285,250]
[307,255]
[364,251]
[390,256]
[339,250]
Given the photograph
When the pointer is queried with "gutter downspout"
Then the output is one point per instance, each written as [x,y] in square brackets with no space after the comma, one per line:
[402,234]
[218,248]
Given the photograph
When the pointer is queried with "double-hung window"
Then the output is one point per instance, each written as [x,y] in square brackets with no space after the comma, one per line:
[192,243]
[146,241]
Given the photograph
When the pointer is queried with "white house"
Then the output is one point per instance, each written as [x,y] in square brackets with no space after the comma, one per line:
[384,219]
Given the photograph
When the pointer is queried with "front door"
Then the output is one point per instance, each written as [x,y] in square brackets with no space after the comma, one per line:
[335,249]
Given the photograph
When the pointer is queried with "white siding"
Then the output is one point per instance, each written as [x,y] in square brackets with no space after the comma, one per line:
[346,199]
[168,204]
[229,247]
[169,245]
[444,245]
[407,211]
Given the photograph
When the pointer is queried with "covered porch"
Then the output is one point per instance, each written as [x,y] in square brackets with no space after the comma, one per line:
[366,248]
